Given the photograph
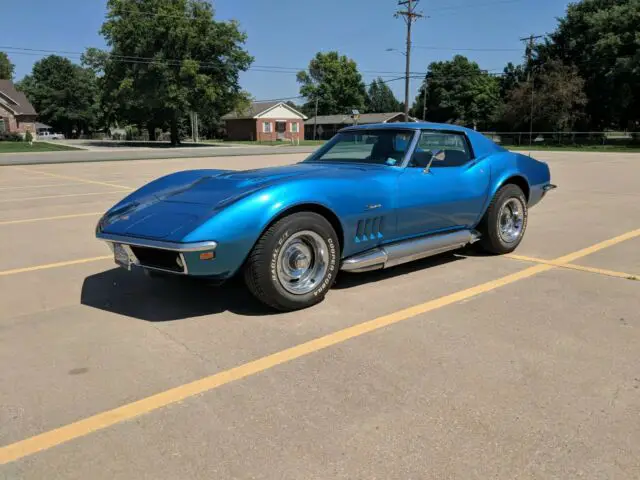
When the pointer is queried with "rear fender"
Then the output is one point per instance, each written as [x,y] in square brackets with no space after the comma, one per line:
[504,166]
[507,166]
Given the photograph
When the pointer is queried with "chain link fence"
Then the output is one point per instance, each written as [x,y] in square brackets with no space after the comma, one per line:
[602,140]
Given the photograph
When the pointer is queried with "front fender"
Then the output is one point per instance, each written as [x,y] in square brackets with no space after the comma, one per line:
[237,227]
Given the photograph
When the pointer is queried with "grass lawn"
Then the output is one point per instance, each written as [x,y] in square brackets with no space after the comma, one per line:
[303,143]
[24,147]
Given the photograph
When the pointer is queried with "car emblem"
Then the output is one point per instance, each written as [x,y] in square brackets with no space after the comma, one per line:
[374,206]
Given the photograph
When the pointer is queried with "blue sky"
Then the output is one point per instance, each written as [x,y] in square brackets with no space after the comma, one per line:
[288,33]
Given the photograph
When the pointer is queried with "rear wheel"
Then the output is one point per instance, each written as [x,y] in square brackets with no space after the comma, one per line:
[294,263]
[505,221]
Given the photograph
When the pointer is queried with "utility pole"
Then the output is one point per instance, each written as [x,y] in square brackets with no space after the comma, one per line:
[193,134]
[529,56]
[409,15]
[315,119]
[424,104]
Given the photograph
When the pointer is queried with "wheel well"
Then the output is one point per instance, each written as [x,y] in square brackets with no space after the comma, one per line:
[520,182]
[328,214]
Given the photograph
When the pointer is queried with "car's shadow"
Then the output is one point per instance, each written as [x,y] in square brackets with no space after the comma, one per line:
[135,295]
[162,299]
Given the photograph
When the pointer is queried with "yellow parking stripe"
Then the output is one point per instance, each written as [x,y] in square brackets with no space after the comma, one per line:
[48,266]
[77,179]
[100,421]
[126,412]
[598,246]
[60,196]
[44,185]
[42,219]
[571,266]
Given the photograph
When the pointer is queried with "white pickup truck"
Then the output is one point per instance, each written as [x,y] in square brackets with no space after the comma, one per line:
[50,136]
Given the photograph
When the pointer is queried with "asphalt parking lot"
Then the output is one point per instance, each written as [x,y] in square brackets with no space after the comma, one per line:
[460,366]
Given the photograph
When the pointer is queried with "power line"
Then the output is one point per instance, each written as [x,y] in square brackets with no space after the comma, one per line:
[172,61]
[281,99]
[421,76]
[473,49]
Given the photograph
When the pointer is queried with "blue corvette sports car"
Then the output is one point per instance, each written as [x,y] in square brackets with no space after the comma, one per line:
[372,197]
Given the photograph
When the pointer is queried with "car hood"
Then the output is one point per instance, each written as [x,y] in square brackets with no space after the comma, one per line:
[218,189]
[179,208]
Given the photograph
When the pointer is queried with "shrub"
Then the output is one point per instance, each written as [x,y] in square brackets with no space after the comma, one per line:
[28,137]
[10,137]
[164,137]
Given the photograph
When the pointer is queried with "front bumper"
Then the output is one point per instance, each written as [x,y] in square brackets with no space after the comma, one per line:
[168,257]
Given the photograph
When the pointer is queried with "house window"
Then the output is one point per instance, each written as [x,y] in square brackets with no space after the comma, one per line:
[266,127]
[2,125]
[294,127]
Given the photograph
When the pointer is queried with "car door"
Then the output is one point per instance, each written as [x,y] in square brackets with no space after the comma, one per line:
[449,194]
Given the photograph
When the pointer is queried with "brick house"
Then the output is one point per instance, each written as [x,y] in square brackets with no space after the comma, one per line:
[16,112]
[265,121]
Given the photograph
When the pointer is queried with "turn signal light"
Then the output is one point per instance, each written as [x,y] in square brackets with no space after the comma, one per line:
[207,256]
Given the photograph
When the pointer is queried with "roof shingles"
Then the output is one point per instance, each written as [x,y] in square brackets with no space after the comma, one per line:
[345,119]
[17,100]
[256,108]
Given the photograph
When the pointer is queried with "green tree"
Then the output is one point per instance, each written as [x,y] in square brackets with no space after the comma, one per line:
[335,81]
[458,91]
[6,67]
[558,100]
[600,37]
[63,94]
[380,98]
[512,76]
[167,58]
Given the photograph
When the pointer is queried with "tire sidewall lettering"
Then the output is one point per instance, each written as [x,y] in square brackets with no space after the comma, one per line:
[328,279]
[273,264]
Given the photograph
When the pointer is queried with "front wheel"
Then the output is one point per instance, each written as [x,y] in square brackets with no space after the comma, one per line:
[294,263]
[505,221]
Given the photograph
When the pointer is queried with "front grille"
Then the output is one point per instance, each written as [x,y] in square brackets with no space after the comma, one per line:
[157,258]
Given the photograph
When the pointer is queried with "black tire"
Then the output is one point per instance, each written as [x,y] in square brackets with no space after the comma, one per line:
[492,240]
[261,269]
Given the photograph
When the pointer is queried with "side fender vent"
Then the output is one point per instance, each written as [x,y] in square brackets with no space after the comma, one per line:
[369,229]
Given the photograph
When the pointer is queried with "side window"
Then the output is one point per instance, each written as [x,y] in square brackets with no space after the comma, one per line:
[454,145]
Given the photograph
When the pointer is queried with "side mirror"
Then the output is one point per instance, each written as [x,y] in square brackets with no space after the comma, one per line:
[438,155]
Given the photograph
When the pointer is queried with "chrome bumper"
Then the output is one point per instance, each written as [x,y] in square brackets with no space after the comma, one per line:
[125,257]
[549,187]
[143,242]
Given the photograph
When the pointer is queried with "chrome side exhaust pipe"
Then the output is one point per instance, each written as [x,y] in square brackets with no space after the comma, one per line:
[408,251]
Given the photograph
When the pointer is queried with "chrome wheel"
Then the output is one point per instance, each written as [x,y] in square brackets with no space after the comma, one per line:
[302,262]
[511,218]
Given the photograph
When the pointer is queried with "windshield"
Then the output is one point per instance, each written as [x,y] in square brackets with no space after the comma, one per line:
[381,147]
